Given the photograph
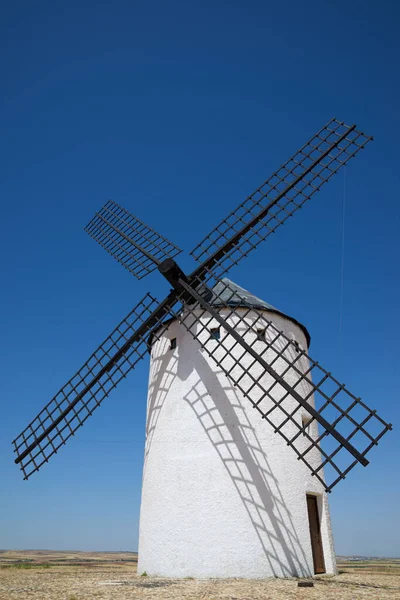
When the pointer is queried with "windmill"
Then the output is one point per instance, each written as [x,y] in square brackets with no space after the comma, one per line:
[223,495]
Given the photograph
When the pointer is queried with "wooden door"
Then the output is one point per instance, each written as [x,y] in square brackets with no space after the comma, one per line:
[315,534]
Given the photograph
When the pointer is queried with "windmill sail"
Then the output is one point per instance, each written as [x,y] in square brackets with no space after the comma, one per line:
[278,198]
[133,244]
[83,393]
[349,428]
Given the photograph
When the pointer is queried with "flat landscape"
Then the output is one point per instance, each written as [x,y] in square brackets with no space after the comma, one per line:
[48,575]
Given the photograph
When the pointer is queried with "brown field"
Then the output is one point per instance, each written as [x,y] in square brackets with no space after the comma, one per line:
[47,575]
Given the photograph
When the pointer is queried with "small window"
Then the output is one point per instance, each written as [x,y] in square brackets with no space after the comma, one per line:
[261,335]
[173,344]
[306,422]
[297,346]
[215,333]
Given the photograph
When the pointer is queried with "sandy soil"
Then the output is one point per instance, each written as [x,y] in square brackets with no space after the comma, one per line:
[112,576]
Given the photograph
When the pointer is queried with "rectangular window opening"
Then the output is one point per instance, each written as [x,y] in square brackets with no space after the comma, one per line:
[215,333]
[297,346]
[306,422]
[261,335]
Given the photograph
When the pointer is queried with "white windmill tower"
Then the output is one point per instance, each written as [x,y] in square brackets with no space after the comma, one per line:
[222,495]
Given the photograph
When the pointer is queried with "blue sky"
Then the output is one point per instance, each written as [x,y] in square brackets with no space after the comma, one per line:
[177,111]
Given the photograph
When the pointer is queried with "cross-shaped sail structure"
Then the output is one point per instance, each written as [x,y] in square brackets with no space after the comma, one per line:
[347,428]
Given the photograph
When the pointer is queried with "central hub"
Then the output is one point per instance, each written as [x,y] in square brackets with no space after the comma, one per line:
[172,273]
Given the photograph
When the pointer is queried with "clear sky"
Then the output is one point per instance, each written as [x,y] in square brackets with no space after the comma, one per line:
[177,110]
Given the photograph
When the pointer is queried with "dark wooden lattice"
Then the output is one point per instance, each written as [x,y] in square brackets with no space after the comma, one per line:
[329,428]
[340,428]
[133,244]
[76,401]
[278,198]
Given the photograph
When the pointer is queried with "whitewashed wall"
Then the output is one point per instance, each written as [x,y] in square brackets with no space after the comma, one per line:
[223,496]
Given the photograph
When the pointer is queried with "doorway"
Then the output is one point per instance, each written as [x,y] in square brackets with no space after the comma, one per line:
[315,534]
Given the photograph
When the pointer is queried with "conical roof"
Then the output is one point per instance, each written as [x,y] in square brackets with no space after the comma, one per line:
[222,296]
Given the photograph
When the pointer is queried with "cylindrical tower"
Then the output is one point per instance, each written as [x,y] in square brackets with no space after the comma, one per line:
[223,496]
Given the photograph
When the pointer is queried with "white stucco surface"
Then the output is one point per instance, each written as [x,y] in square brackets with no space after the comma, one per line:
[223,495]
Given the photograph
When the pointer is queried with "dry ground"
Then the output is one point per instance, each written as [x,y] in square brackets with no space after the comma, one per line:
[45,575]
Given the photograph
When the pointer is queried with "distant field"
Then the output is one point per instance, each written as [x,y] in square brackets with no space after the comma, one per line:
[381,564]
[53,558]
[47,575]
